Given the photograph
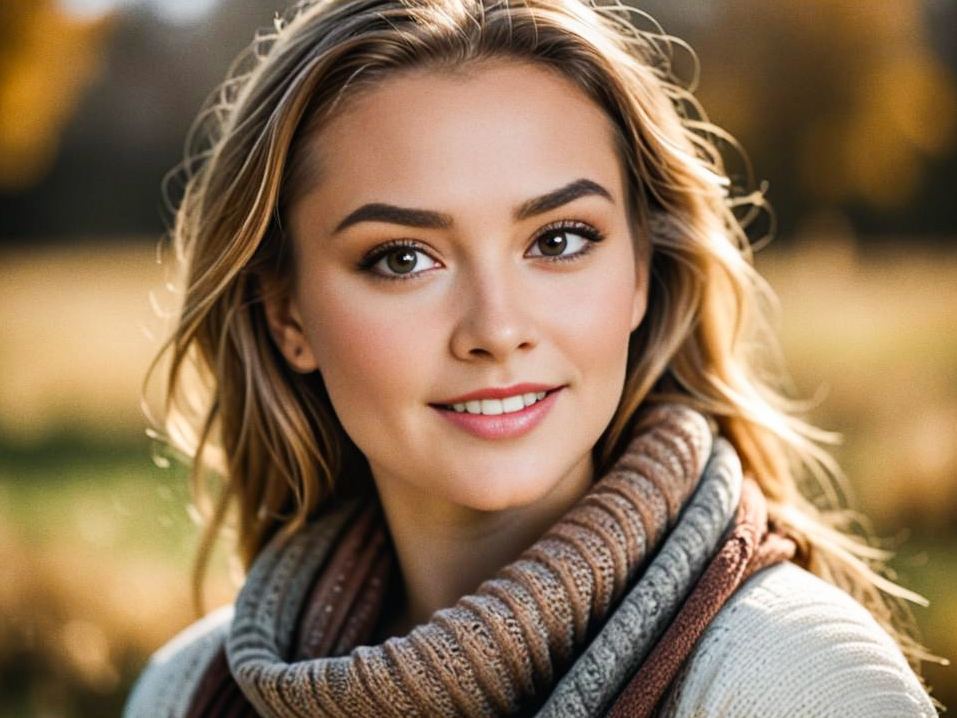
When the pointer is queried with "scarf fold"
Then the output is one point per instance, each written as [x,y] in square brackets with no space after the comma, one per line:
[751,546]
[633,630]
[558,632]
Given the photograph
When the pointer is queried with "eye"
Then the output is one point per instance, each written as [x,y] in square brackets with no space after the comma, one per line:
[399,260]
[565,240]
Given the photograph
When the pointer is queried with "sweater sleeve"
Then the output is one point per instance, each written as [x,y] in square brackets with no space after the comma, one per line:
[172,674]
[788,644]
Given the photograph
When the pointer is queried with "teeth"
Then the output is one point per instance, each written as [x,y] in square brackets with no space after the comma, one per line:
[494,407]
[512,403]
[491,407]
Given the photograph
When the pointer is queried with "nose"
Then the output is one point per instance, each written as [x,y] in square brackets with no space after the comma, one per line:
[496,317]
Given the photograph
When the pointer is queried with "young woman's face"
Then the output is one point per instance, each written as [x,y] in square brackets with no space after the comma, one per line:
[467,235]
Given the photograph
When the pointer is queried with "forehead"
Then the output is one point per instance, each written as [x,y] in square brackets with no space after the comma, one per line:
[502,131]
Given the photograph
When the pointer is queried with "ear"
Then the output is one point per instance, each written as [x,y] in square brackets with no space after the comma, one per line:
[285,326]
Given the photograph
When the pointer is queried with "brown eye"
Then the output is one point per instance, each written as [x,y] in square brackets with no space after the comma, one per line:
[565,241]
[402,261]
[552,244]
[398,261]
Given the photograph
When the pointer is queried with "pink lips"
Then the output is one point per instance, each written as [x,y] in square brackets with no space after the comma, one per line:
[499,393]
[502,426]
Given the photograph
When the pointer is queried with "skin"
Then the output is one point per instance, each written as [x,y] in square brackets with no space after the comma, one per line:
[483,309]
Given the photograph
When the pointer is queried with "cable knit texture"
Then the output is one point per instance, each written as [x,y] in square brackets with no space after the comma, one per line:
[625,640]
[725,678]
[750,547]
[568,624]
[495,652]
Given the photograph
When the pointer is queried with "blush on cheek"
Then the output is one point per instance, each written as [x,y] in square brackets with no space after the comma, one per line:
[370,359]
[604,321]
[600,314]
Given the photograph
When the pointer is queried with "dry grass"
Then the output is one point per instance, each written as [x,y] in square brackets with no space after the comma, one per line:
[76,323]
[879,334]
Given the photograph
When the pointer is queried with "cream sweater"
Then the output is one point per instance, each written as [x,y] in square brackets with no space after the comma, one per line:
[787,645]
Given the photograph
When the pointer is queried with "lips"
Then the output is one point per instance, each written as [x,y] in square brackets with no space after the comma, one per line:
[506,425]
[497,393]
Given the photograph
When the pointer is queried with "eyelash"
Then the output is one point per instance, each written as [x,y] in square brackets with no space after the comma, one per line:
[592,236]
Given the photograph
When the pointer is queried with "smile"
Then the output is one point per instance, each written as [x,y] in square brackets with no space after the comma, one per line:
[506,418]
[494,407]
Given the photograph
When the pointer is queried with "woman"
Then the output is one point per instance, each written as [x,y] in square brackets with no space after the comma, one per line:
[471,332]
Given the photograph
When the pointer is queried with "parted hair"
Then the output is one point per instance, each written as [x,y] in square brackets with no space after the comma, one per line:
[266,449]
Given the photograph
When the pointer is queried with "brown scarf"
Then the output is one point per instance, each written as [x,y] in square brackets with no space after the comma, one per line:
[496,652]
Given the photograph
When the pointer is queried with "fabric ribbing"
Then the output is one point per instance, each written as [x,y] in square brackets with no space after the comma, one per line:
[494,651]
[625,640]
[749,548]
[787,645]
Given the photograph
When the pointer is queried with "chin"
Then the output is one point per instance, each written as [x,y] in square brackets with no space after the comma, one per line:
[504,491]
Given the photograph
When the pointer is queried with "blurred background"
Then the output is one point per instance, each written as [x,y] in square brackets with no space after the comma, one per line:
[847,109]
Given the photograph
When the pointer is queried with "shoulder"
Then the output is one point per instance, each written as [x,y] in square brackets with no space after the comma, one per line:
[787,644]
[166,685]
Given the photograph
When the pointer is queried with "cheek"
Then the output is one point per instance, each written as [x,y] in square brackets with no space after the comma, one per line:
[599,316]
[368,354]
[597,340]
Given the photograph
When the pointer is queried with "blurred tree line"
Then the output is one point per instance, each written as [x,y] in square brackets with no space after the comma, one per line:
[847,108]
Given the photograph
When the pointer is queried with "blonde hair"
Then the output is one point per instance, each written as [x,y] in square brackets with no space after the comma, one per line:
[242,416]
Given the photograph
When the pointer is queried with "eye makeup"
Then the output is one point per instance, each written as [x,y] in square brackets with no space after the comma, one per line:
[381,253]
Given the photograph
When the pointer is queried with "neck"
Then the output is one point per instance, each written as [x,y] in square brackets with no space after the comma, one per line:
[446,550]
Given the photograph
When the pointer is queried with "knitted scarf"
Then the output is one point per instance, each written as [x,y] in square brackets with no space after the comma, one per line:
[557,633]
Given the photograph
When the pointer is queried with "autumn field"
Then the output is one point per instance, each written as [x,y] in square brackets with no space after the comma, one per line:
[96,541]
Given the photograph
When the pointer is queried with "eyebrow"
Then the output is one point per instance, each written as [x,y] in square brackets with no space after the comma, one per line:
[427,219]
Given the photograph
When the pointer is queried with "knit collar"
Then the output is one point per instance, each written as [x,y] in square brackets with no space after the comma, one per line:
[542,628]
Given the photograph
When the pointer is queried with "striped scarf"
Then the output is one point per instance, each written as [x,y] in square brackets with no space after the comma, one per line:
[560,632]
